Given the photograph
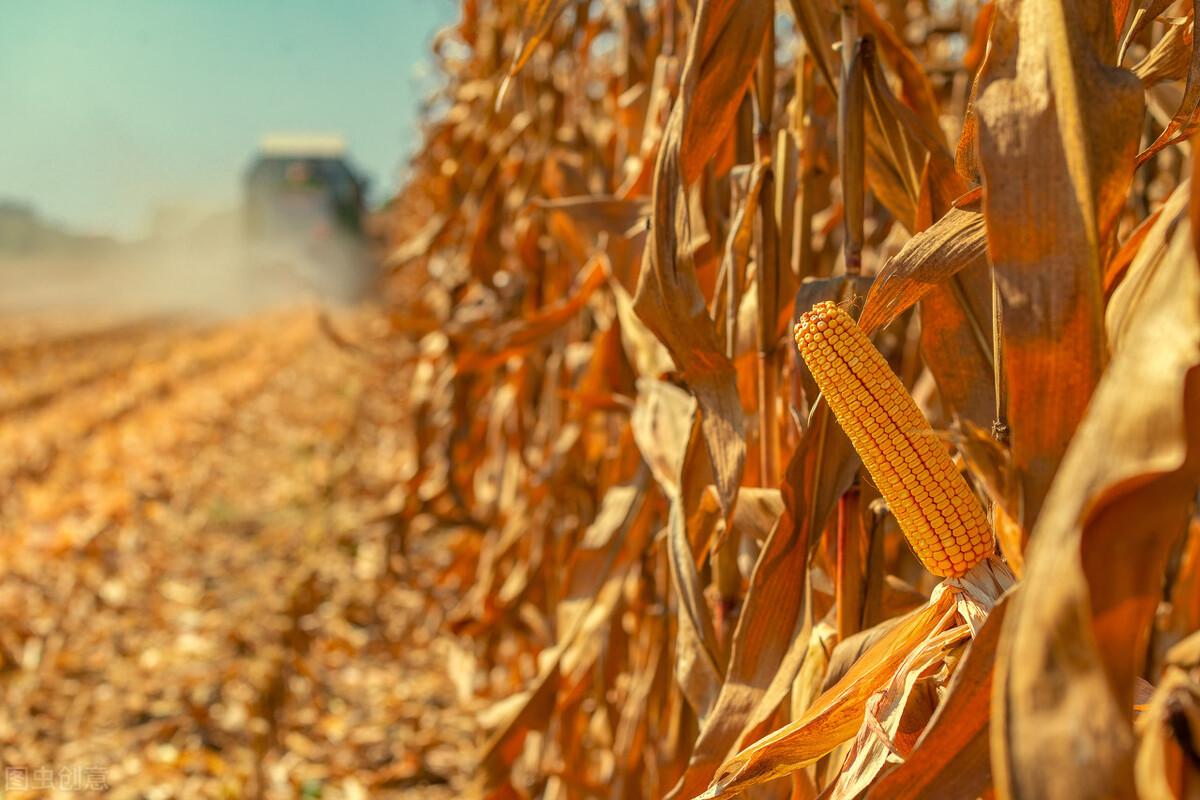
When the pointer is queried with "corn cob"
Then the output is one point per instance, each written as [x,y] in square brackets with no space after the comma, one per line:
[940,516]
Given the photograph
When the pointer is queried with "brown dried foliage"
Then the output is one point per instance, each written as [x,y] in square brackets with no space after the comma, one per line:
[685,584]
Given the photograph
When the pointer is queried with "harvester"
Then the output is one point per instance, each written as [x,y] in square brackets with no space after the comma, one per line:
[304,210]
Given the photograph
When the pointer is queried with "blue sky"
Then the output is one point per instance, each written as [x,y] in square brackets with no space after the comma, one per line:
[111,108]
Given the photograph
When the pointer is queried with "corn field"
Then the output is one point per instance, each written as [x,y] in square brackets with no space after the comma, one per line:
[815,388]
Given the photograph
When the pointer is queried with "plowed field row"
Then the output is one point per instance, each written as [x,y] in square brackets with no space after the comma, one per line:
[199,596]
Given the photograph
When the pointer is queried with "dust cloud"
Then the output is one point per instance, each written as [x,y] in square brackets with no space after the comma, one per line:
[206,267]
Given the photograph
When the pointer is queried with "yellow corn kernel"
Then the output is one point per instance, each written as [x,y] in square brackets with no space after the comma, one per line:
[941,517]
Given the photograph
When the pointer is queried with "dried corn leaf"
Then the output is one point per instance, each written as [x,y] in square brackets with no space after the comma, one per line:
[1168,764]
[722,52]
[950,759]
[1170,57]
[1147,12]
[898,713]
[1076,634]
[515,337]
[836,715]
[1184,122]
[1058,129]
[537,18]
[663,421]
[956,241]
[762,663]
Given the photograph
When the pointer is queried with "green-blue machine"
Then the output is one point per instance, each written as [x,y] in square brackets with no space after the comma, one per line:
[304,210]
